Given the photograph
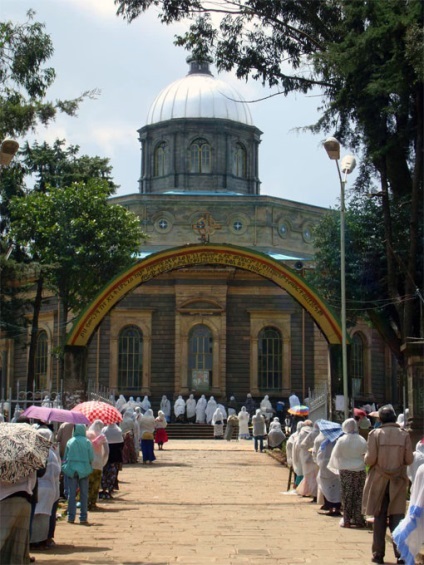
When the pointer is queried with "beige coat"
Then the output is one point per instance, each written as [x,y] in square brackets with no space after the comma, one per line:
[389,451]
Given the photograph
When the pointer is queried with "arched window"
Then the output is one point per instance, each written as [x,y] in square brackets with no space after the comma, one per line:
[357,365]
[161,160]
[130,358]
[270,359]
[200,359]
[239,161]
[41,361]
[200,156]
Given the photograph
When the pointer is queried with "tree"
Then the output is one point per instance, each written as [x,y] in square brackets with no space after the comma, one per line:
[366,59]
[24,81]
[55,227]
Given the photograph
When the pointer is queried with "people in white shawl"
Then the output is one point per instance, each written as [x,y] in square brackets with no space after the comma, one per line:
[290,450]
[47,498]
[201,410]
[258,430]
[243,419]
[218,424]
[179,409]
[119,404]
[294,400]
[328,482]
[304,443]
[210,409]
[412,469]
[223,410]
[147,430]
[297,461]
[165,406]
[409,534]
[347,459]
[266,408]
[145,405]
[276,436]
[191,409]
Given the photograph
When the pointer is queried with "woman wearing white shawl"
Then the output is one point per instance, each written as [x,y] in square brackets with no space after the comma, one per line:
[304,443]
[210,409]
[328,482]
[145,405]
[291,460]
[201,410]
[165,407]
[115,441]
[48,498]
[243,419]
[119,404]
[191,409]
[409,534]
[101,454]
[276,435]
[266,408]
[412,469]
[147,430]
[347,459]
[179,409]
[161,435]
[128,425]
[218,424]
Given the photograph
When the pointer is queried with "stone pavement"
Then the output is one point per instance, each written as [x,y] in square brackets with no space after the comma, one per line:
[208,502]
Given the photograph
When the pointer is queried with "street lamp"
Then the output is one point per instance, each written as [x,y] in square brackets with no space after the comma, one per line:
[8,150]
[332,146]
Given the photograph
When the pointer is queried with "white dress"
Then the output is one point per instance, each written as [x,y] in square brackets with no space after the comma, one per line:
[243,418]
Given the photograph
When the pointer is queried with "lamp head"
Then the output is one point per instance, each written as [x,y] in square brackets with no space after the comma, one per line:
[348,164]
[8,150]
[332,146]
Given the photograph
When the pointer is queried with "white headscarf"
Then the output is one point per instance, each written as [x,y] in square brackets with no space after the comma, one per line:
[113,433]
[217,417]
[179,406]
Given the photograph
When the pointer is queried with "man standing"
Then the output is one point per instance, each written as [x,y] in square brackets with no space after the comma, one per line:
[389,451]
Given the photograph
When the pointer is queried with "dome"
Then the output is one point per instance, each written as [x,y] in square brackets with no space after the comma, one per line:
[199,95]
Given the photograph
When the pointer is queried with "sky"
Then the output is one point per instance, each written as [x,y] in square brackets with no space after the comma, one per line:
[130,64]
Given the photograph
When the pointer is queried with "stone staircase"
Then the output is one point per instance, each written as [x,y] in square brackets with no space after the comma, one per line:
[192,431]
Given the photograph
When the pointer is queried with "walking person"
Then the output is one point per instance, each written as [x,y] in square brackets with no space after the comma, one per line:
[389,451]
[201,410]
[77,467]
[243,423]
[259,430]
[218,424]
[161,435]
[101,454]
[147,430]
[110,473]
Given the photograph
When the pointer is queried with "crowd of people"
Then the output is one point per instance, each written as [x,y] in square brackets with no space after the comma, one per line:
[352,470]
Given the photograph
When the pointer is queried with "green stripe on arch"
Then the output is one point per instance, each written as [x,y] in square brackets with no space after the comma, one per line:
[209,254]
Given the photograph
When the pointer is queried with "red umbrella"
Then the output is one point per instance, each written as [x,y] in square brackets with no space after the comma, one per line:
[97,410]
[48,414]
[359,412]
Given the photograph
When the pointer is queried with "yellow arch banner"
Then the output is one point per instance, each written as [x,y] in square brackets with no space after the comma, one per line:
[209,254]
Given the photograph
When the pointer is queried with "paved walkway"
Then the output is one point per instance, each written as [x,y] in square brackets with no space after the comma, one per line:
[208,502]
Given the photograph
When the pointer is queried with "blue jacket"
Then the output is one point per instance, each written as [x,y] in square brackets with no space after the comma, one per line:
[78,454]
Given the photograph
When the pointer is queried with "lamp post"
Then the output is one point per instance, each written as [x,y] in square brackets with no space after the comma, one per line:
[332,146]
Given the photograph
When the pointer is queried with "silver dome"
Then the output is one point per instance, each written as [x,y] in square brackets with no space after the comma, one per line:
[199,95]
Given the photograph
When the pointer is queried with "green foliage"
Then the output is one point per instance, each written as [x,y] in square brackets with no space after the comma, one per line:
[80,239]
[24,80]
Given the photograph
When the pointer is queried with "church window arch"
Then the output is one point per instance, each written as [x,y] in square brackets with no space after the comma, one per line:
[161,160]
[200,357]
[358,365]
[239,161]
[200,156]
[130,358]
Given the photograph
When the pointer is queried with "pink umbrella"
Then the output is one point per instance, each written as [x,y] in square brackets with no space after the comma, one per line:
[97,410]
[48,414]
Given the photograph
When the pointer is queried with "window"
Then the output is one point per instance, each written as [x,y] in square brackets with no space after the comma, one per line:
[161,160]
[130,358]
[41,361]
[239,161]
[200,360]
[200,156]
[270,359]
[357,365]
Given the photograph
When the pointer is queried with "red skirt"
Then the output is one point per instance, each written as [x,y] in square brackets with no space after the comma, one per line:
[161,436]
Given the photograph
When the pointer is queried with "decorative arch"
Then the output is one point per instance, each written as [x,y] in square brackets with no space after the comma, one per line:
[209,254]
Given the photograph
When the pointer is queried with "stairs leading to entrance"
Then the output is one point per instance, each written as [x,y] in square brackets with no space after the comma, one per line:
[192,431]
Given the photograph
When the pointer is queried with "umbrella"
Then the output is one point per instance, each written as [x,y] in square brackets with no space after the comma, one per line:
[22,451]
[48,414]
[374,414]
[359,412]
[97,410]
[298,410]
[331,430]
